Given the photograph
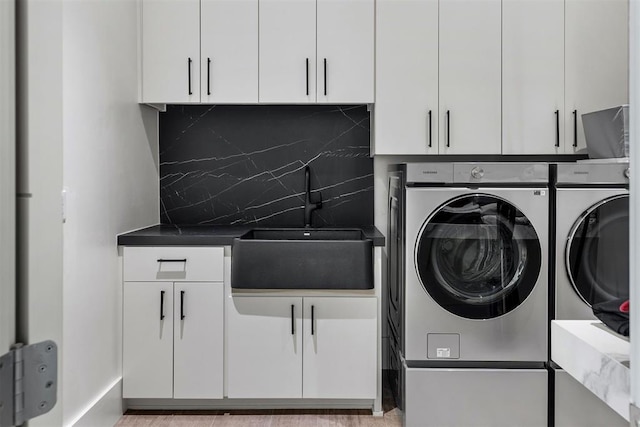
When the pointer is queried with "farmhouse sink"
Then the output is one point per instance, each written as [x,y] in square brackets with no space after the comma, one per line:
[302,258]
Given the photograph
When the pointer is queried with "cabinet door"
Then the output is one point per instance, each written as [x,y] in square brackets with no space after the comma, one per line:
[148,340]
[532,76]
[345,42]
[340,348]
[264,356]
[407,76]
[170,51]
[287,51]
[198,341]
[470,76]
[597,33]
[229,37]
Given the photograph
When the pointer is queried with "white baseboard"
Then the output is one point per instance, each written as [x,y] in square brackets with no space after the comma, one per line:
[231,404]
[105,410]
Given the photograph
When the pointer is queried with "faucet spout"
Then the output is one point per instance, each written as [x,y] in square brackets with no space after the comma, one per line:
[309,206]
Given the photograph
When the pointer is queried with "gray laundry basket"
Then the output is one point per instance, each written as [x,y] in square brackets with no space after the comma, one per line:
[607,132]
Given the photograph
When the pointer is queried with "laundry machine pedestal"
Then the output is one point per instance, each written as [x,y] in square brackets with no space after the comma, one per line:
[475,397]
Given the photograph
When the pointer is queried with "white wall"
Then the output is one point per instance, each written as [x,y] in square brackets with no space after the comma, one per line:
[111,179]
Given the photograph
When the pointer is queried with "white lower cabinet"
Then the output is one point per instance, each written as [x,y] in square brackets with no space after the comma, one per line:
[339,348]
[264,338]
[302,347]
[173,340]
[148,340]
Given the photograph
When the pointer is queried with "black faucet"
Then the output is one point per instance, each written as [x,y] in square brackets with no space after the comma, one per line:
[309,206]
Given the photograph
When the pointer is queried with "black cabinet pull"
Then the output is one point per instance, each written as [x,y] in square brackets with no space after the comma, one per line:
[307,71]
[313,330]
[182,316]
[448,129]
[557,128]
[429,128]
[293,321]
[172,260]
[161,305]
[325,76]
[208,76]
[189,66]
[575,128]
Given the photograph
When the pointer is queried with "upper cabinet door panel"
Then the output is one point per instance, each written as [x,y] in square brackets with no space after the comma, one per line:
[229,37]
[470,77]
[406,77]
[170,51]
[287,51]
[345,41]
[533,76]
[597,33]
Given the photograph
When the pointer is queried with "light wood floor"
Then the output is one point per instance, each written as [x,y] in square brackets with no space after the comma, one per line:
[261,418]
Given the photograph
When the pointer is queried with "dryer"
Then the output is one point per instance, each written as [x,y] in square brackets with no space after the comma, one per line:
[592,236]
[591,265]
[472,284]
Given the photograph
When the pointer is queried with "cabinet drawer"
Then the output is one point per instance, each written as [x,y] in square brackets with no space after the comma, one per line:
[177,263]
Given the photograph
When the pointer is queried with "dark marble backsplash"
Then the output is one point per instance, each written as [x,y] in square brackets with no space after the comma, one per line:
[226,165]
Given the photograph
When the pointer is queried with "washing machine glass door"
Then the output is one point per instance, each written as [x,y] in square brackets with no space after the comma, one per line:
[478,256]
[597,251]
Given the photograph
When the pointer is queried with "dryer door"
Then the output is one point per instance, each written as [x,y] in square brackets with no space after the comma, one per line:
[597,251]
[478,256]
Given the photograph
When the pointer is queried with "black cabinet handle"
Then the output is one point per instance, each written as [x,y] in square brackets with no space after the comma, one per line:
[575,128]
[189,66]
[557,128]
[208,76]
[429,128]
[448,129]
[325,76]
[307,71]
[313,330]
[293,321]
[172,260]
[161,305]
[182,316]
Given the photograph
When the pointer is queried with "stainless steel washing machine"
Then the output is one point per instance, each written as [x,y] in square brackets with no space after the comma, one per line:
[591,265]
[592,236]
[476,262]
[472,284]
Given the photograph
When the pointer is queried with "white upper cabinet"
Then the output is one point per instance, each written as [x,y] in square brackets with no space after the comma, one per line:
[170,51]
[229,37]
[597,61]
[345,42]
[287,51]
[470,77]
[406,109]
[533,77]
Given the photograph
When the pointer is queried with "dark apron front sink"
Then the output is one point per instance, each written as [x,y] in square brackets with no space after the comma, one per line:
[302,258]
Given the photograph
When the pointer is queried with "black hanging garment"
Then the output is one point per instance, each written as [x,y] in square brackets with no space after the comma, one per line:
[614,314]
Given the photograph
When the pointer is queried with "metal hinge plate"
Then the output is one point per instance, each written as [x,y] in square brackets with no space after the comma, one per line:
[28,382]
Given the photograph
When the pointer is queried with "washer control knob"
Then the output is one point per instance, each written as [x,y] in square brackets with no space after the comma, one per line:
[477,173]
[627,173]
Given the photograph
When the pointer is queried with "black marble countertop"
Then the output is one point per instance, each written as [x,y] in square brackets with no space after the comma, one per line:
[201,235]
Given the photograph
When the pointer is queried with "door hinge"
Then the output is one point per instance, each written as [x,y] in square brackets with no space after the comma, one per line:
[28,382]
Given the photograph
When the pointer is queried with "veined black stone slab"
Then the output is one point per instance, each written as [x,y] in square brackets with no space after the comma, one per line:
[244,165]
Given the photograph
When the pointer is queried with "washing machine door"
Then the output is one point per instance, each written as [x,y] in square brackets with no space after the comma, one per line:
[478,256]
[597,251]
